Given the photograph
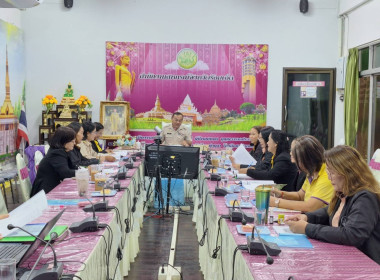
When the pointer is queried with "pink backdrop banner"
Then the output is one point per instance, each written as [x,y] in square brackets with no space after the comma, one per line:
[219,88]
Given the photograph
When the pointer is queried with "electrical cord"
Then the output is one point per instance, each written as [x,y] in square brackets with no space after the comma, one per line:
[163,270]
[238,247]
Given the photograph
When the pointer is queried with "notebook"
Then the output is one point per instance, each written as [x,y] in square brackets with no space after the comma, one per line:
[20,251]
[20,236]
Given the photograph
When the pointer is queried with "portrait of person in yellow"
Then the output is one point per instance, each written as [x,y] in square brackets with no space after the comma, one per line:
[124,79]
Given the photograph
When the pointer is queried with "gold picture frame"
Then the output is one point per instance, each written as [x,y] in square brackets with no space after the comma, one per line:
[114,115]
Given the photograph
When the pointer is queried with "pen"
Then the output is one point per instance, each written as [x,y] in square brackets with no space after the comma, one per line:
[250,164]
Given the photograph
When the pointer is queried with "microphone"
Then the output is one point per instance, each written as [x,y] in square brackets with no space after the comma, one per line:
[45,272]
[262,247]
[88,224]
[157,130]
[239,215]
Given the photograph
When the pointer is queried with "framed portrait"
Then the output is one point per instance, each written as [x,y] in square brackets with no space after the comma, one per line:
[114,115]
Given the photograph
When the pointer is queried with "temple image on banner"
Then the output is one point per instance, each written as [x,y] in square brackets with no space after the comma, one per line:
[8,120]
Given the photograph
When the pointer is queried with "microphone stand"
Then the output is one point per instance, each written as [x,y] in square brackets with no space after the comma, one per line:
[158,186]
[88,224]
[46,272]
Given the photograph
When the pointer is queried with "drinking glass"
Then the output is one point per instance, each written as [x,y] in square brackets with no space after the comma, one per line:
[8,269]
[224,179]
[81,176]
[260,217]
[94,170]
[100,181]
[245,195]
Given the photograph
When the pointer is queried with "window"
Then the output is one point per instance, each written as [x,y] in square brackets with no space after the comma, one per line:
[368,137]
[363,59]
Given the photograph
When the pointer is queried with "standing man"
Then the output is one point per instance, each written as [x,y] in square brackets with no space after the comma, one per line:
[176,133]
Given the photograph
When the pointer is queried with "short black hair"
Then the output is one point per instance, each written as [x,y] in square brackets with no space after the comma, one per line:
[88,127]
[75,126]
[98,126]
[62,136]
[281,139]
[177,114]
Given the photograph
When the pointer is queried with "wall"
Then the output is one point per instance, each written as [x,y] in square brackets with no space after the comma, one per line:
[68,45]
[12,16]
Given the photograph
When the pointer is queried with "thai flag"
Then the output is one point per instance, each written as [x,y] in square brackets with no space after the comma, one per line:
[22,131]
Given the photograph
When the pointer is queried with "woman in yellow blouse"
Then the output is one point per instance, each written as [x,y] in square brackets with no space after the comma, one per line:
[317,190]
[89,133]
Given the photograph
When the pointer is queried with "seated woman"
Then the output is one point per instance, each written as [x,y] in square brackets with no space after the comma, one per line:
[89,132]
[76,158]
[263,163]
[95,143]
[282,170]
[317,190]
[54,167]
[353,216]
[300,176]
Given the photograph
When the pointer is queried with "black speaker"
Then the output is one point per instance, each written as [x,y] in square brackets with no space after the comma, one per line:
[304,6]
[69,3]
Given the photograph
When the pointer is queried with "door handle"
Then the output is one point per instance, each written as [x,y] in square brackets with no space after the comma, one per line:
[286,113]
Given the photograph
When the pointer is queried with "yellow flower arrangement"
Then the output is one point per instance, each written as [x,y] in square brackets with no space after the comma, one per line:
[48,101]
[83,102]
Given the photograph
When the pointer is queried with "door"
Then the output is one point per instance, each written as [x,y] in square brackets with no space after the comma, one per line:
[308,103]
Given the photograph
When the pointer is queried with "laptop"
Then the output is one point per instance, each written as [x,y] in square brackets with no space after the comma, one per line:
[20,251]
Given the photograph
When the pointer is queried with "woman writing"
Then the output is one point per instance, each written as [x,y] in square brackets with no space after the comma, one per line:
[54,167]
[317,191]
[76,158]
[282,170]
[353,216]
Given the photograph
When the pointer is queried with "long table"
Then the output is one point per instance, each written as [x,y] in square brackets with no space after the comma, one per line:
[83,254]
[324,261]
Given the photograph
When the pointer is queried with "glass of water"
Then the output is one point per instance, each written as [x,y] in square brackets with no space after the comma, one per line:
[224,179]
[245,194]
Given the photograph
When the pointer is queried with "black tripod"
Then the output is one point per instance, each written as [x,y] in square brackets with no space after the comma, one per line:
[157,175]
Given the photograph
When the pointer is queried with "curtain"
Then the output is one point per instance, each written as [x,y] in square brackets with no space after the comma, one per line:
[351,97]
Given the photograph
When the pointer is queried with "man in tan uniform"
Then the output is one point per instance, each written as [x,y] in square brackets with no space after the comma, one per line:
[176,133]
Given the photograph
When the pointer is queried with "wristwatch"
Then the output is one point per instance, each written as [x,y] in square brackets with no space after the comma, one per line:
[277,202]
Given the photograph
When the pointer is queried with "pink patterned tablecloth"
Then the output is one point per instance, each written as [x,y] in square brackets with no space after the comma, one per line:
[324,261]
[73,249]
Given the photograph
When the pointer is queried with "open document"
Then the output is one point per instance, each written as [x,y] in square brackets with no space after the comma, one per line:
[242,156]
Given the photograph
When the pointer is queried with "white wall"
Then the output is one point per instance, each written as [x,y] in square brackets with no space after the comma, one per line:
[12,16]
[65,45]
[363,24]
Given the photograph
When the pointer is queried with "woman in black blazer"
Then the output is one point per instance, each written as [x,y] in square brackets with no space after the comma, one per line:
[76,158]
[282,170]
[54,167]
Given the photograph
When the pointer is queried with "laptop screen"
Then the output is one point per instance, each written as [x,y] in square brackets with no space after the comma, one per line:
[36,243]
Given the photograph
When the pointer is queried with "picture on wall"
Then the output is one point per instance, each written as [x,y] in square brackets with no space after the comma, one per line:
[114,115]
[221,89]
[12,94]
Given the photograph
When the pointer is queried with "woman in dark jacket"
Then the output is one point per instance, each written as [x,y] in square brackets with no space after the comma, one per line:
[256,151]
[263,162]
[54,167]
[353,216]
[76,158]
[282,170]
[99,133]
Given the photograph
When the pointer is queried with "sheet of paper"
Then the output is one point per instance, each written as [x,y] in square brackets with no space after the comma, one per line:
[252,184]
[284,230]
[25,213]
[242,156]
